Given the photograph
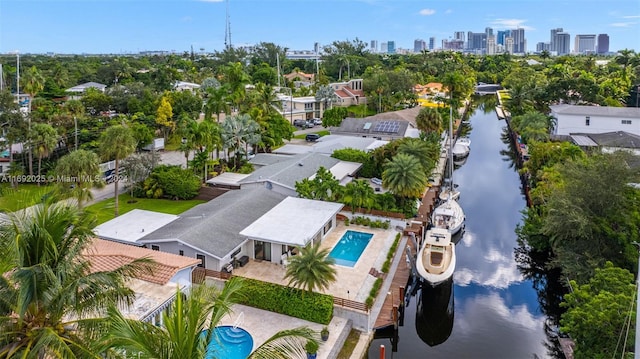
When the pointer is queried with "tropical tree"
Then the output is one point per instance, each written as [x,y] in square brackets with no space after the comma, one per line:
[12,123]
[420,150]
[429,119]
[32,82]
[117,143]
[164,117]
[187,328]
[358,194]
[238,132]
[44,140]
[82,169]
[51,301]
[216,102]
[323,187]
[404,176]
[312,269]
[600,312]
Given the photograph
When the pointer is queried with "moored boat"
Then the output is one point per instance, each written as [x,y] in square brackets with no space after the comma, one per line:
[436,258]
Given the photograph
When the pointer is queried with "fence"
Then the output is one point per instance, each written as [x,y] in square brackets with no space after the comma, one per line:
[198,275]
[350,304]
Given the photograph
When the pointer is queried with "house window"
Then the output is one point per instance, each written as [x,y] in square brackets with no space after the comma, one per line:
[327,227]
[626,122]
[181,252]
[587,120]
[308,106]
[155,248]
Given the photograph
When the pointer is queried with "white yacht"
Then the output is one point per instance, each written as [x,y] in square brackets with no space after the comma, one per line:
[436,259]
[449,216]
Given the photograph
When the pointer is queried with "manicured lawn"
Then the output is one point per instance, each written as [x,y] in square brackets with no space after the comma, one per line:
[24,196]
[104,210]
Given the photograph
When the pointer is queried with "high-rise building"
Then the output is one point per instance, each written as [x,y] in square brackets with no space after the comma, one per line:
[501,36]
[508,44]
[476,41]
[563,43]
[432,43]
[391,47]
[383,47]
[553,39]
[542,46]
[374,46]
[316,47]
[458,35]
[519,42]
[419,45]
[488,31]
[584,44]
[491,45]
[602,46]
[452,44]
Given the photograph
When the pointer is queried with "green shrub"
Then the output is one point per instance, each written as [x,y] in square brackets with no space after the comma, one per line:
[392,250]
[373,293]
[311,347]
[314,307]
[346,221]
[171,182]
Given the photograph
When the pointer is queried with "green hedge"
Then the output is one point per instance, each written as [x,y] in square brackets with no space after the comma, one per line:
[373,293]
[392,251]
[314,307]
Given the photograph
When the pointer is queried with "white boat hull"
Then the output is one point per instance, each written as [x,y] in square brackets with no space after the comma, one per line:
[436,261]
[460,151]
[447,193]
[449,215]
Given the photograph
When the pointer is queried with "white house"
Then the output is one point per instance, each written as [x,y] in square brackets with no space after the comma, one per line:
[183,85]
[572,119]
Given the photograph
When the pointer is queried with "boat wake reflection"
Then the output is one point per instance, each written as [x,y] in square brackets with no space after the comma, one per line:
[434,312]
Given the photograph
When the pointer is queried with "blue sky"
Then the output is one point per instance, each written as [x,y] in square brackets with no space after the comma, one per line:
[124,26]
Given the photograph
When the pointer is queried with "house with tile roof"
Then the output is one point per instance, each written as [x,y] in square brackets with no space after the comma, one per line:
[349,93]
[155,289]
[572,119]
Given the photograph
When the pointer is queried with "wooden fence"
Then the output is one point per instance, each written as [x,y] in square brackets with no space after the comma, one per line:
[350,304]
[198,275]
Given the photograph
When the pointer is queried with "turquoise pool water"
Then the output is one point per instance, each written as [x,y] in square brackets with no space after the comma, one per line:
[350,247]
[229,342]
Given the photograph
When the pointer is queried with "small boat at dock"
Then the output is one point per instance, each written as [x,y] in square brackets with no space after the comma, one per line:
[436,258]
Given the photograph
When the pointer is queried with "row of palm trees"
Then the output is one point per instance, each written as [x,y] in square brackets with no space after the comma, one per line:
[53,305]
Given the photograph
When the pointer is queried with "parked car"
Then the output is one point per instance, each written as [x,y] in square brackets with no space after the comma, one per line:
[300,123]
[376,181]
[317,121]
[312,137]
[310,124]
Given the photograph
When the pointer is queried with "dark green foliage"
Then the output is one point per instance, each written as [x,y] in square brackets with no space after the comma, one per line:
[334,116]
[171,182]
[311,306]
[369,168]
[373,293]
[366,221]
[392,251]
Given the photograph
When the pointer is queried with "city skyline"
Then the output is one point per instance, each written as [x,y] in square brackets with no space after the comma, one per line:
[121,26]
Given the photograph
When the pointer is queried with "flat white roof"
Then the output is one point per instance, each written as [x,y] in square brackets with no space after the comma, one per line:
[228,179]
[342,170]
[290,149]
[294,221]
[133,225]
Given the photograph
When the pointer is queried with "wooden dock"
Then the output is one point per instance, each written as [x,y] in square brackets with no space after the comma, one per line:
[395,297]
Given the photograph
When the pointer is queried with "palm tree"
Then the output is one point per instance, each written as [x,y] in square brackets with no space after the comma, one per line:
[420,150]
[216,102]
[50,300]
[429,119]
[358,194]
[239,132]
[32,82]
[116,143]
[12,124]
[44,140]
[311,269]
[187,323]
[404,176]
[83,168]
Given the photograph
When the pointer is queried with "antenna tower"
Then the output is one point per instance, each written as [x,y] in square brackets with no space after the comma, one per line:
[227,30]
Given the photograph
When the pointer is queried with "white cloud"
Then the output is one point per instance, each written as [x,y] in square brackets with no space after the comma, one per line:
[427,12]
[623,24]
[511,23]
[631,17]
[448,11]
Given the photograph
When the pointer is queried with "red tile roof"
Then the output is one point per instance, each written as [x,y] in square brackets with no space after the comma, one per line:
[107,255]
[342,93]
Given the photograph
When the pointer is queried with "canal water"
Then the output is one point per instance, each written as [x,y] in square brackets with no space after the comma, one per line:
[489,310]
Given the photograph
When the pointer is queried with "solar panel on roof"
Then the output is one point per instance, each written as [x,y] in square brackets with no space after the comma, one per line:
[367,126]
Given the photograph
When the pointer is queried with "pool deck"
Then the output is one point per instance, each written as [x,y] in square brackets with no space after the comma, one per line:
[353,283]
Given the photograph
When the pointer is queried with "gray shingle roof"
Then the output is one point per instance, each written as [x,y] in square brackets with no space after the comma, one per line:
[605,111]
[295,169]
[215,226]
[618,139]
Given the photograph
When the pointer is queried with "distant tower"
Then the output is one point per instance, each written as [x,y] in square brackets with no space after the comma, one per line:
[603,44]
[227,30]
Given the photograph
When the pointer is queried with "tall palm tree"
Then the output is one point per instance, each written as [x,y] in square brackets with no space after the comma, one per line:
[404,176]
[311,269]
[358,194]
[44,139]
[83,168]
[420,150]
[216,102]
[239,132]
[32,82]
[187,323]
[429,119]
[116,143]
[50,300]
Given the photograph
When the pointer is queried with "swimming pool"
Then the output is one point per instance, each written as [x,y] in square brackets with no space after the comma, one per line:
[350,247]
[229,342]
